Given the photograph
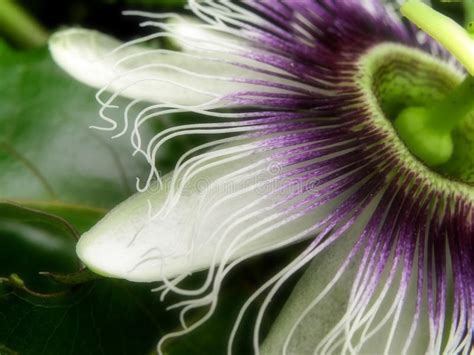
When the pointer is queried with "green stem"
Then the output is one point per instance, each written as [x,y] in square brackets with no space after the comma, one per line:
[447,114]
[446,31]
[468,11]
[19,26]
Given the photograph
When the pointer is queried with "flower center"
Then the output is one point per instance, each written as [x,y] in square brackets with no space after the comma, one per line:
[427,130]
[428,105]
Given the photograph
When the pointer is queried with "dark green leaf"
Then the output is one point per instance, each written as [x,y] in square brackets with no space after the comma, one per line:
[6,351]
[104,317]
[47,151]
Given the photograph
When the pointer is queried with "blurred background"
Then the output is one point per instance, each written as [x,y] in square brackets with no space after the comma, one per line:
[104,15]
[48,15]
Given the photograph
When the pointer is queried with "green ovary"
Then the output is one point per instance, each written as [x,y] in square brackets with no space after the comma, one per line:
[415,92]
[433,146]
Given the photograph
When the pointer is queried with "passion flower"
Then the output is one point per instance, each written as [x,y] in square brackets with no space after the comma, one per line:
[338,124]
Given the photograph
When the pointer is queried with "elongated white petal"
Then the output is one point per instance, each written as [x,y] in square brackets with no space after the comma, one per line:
[330,310]
[304,324]
[155,75]
[313,327]
[236,206]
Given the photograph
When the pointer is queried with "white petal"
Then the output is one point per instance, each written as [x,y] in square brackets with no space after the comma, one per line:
[80,53]
[192,35]
[236,217]
[324,316]
[154,75]
[294,334]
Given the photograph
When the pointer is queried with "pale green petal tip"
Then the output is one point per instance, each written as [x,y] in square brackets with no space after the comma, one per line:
[83,249]
[452,36]
[81,52]
[106,249]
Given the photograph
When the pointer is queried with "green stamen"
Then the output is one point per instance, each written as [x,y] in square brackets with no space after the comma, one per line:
[427,130]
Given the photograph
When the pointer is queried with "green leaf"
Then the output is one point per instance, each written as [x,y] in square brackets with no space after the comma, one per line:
[47,151]
[99,317]
[32,241]
[57,179]
[6,351]
[103,317]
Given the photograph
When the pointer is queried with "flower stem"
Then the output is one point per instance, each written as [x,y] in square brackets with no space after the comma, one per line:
[468,12]
[446,31]
[427,130]
[446,115]
[20,27]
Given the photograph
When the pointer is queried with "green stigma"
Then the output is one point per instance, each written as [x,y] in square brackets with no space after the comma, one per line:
[427,130]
